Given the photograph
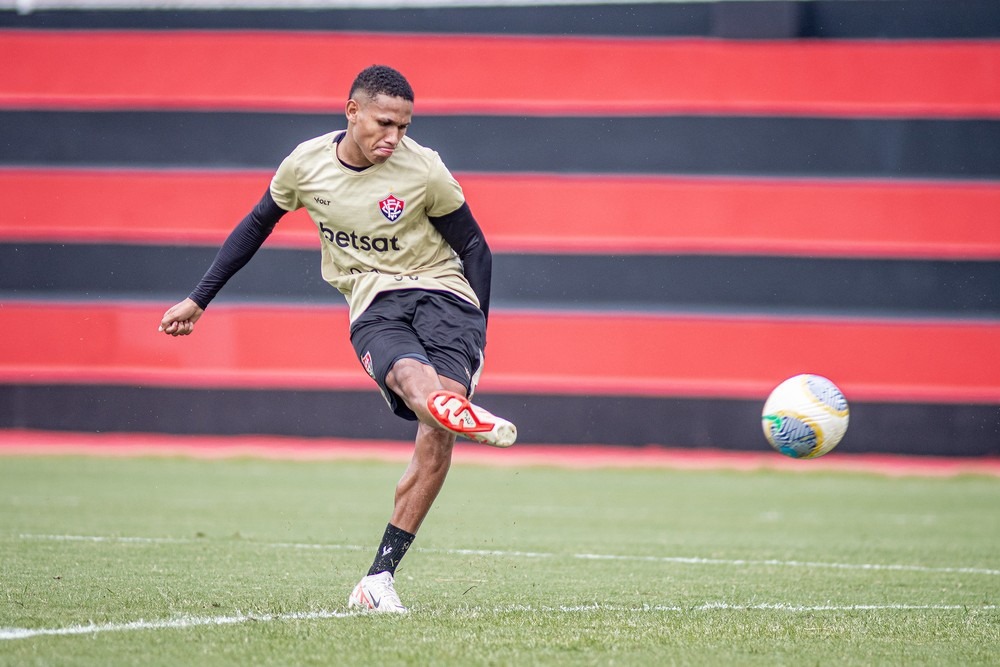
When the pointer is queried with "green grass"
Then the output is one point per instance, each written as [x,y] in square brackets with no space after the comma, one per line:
[530,566]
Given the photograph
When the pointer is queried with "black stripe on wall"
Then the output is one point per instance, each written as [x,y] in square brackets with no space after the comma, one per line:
[765,146]
[795,285]
[928,429]
[683,19]
[903,19]
[870,287]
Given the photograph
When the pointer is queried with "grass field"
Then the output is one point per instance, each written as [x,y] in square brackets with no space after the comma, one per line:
[176,561]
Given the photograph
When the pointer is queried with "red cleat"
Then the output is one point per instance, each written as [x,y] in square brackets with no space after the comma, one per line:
[455,413]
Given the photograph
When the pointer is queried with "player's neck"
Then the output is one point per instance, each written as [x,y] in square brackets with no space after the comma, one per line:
[343,151]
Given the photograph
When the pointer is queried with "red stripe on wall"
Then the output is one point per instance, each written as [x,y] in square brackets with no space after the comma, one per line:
[831,218]
[580,214]
[135,206]
[311,72]
[947,220]
[528,352]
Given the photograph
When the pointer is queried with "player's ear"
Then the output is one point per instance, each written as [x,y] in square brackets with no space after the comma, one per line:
[351,110]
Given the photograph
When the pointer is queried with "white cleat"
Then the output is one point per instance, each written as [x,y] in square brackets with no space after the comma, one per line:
[456,414]
[377,592]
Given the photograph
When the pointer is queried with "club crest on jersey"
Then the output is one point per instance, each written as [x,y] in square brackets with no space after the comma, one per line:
[366,361]
[391,207]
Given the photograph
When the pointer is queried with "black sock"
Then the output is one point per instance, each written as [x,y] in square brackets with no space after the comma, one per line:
[395,542]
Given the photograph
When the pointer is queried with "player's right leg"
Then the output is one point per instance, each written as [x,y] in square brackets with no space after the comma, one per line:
[408,339]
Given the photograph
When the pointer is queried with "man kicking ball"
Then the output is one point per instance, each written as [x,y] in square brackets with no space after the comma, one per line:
[400,243]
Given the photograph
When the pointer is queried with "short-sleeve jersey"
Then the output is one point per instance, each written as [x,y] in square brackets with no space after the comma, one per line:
[374,224]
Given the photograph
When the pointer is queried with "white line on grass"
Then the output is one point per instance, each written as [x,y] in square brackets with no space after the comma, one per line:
[184,622]
[102,538]
[794,563]
[726,606]
[174,623]
[683,560]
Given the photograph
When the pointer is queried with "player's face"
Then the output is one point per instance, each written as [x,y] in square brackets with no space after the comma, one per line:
[375,126]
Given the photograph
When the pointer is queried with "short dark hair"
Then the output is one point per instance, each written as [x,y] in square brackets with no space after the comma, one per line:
[382,80]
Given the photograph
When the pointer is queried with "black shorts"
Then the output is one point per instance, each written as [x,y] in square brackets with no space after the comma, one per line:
[436,328]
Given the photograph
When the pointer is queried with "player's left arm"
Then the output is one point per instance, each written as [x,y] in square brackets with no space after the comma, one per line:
[460,229]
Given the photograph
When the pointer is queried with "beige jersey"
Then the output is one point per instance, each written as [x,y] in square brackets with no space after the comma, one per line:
[373,224]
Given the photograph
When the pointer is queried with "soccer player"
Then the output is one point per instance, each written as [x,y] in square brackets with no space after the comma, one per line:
[401,244]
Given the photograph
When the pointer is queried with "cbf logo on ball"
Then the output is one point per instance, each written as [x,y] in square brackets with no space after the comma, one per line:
[391,207]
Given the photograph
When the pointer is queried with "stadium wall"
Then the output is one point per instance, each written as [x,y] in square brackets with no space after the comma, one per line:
[710,197]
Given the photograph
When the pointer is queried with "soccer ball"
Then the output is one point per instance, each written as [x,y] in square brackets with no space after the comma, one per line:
[805,416]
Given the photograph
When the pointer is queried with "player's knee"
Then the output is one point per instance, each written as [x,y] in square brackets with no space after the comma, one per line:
[411,378]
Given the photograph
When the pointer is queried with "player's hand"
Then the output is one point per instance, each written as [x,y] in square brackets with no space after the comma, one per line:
[179,319]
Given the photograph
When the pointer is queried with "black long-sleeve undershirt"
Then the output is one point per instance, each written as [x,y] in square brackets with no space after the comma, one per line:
[459,229]
[242,243]
[464,235]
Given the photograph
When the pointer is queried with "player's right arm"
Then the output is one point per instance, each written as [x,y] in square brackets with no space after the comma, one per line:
[241,245]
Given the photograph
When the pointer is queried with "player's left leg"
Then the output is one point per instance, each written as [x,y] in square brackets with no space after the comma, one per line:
[432,449]
[416,490]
